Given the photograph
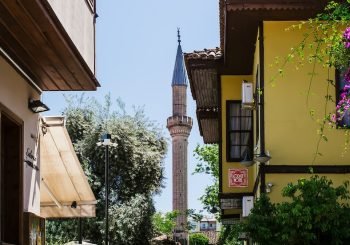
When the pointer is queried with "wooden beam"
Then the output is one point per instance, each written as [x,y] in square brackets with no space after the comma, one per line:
[34,38]
[301,169]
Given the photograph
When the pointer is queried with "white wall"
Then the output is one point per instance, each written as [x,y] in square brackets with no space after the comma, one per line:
[14,95]
[78,20]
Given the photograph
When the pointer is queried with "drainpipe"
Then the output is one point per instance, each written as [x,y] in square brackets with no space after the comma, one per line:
[261,105]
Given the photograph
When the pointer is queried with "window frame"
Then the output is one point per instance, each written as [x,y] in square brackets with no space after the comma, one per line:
[228,132]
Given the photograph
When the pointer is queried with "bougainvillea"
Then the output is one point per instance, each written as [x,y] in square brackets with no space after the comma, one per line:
[344,98]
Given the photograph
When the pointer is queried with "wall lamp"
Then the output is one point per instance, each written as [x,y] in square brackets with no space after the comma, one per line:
[249,160]
[37,106]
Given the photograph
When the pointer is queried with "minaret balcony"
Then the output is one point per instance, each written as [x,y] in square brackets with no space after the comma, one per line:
[179,121]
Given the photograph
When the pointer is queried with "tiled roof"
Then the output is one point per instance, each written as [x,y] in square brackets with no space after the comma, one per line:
[206,54]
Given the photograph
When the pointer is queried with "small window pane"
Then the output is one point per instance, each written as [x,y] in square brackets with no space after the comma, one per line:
[245,137]
[243,151]
[235,152]
[235,138]
[235,123]
[235,109]
[239,131]
[246,113]
[246,123]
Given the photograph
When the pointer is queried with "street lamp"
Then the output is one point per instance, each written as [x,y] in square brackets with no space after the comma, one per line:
[106,141]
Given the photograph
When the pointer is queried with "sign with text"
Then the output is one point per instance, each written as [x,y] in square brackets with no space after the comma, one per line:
[238,177]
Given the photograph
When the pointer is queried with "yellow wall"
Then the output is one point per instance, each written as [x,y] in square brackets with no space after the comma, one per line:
[231,87]
[291,134]
[280,181]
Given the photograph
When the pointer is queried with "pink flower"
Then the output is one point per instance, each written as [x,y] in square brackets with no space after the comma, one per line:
[333,118]
[346,36]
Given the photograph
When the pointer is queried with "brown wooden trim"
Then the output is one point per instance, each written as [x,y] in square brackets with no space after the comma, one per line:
[220,132]
[19,122]
[230,216]
[266,6]
[11,115]
[35,39]
[69,42]
[250,145]
[207,113]
[199,63]
[234,195]
[317,169]
[262,177]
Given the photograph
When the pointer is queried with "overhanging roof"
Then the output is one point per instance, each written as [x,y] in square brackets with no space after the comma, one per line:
[33,37]
[239,20]
[202,68]
[63,181]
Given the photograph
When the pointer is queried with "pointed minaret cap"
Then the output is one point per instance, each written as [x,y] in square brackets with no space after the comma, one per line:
[179,75]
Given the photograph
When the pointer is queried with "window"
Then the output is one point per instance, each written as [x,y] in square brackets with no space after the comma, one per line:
[239,131]
[341,91]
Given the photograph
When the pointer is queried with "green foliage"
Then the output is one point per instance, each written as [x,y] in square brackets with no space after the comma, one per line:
[164,223]
[208,157]
[316,213]
[229,235]
[62,231]
[198,239]
[130,221]
[208,162]
[262,223]
[136,171]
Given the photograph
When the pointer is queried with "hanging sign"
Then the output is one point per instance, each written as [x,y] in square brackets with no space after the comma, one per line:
[238,177]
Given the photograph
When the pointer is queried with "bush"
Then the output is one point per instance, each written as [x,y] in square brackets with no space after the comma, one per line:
[199,239]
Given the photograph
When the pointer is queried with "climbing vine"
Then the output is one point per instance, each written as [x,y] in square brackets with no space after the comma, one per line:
[326,42]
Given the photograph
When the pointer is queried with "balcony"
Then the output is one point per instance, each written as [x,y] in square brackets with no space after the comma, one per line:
[41,40]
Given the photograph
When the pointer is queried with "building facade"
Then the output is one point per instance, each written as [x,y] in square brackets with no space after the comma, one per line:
[42,48]
[271,142]
[179,125]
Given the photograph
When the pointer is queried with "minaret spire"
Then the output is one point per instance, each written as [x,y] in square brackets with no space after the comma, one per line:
[179,126]
[179,75]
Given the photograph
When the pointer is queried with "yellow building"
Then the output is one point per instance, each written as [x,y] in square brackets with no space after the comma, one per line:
[278,134]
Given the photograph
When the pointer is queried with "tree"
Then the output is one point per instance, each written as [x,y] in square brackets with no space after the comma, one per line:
[198,239]
[164,224]
[208,162]
[316,213]
[229,235]
[136,171]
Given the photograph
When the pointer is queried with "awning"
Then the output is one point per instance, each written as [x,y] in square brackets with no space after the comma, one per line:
[64,190]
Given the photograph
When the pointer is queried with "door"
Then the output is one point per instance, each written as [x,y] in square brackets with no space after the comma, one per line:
[11,180]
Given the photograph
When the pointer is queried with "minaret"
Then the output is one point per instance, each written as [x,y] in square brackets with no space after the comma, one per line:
[179,125]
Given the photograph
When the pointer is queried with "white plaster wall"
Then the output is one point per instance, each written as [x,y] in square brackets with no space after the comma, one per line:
[78,20]
[14,95]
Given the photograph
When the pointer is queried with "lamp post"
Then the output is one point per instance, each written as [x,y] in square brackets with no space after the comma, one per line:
[106,141]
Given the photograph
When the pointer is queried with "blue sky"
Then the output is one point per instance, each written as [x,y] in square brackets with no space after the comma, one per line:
[136,49]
